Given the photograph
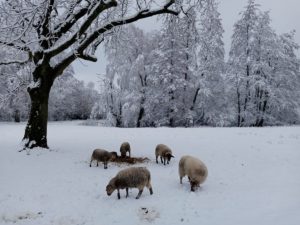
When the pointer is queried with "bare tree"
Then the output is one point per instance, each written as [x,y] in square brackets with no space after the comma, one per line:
[51,34]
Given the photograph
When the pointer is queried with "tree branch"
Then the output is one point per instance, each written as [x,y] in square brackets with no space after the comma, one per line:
[17,47]
[19,62]
[45,25]
[91,38]
[71,19]
[140,15]
[43,28]
[14,62]
[87,57]
[98,9]
[60,67]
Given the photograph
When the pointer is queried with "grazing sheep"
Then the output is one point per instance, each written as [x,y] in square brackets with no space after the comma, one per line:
[104,156]
[114,156]
[194,168]
[125,147]
[133,177]
[164,152]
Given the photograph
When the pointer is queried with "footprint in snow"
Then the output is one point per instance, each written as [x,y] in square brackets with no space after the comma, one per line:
[21,216]
[148,214]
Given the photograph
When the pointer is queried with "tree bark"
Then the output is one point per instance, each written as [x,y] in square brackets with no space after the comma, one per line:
[238,107]
[17,116]
[36,129]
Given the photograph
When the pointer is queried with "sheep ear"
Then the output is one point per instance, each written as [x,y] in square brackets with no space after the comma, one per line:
[172,156]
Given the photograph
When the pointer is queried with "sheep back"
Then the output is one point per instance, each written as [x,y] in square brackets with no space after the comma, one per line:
[194,168]
[133,177]
[101,155]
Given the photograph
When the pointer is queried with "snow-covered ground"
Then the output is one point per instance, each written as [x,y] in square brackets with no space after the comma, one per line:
[253,177]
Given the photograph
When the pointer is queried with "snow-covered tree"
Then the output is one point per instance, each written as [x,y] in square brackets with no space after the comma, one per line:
[171,72]
[51,34]
[264,71]
[14,102]
[284,105]
[241,58]
[158,77]
[69,98]
[126,55]
[210,99]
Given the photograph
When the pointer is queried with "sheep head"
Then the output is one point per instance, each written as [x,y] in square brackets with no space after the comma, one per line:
[169,155]
[194,184]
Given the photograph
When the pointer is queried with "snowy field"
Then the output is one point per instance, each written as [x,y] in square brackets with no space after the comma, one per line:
[253,177]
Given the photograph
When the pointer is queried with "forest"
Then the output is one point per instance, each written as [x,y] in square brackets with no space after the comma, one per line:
[177,76]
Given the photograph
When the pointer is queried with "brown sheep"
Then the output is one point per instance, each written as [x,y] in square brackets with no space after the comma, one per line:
[133,177]
[194,168]
[125,147]
[104,156]
[164,152]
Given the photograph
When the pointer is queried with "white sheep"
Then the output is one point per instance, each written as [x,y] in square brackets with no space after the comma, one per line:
[164,152]
[194,168]
[133,177]
[104,156]
[125,147]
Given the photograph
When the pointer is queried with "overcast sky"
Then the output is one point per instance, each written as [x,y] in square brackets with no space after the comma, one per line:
[284,14]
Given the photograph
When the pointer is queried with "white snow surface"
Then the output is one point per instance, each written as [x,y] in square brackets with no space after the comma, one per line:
[253,177]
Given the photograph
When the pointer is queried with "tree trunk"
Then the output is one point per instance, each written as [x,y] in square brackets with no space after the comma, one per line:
[238,107]
[142,110]
[17,116]
[36,129]
[141,115]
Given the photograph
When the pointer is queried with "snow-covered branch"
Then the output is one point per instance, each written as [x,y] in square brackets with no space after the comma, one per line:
[19,62]
[97,9]
[88,57]
[105,28]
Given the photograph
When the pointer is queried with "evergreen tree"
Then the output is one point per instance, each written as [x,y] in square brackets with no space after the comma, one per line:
[264,71]
[241,58]
[210,100]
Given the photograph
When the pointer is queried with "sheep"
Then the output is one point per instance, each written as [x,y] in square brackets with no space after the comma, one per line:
[194,168]
[133,177]
[164,152]
[125,147]
[103,156]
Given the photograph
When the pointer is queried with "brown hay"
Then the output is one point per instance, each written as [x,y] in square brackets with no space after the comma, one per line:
[131,160]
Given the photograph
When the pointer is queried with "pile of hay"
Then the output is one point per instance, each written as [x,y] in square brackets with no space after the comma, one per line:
[131,160]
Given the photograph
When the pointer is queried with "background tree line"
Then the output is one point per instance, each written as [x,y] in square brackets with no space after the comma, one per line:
[69,98]
[179,77]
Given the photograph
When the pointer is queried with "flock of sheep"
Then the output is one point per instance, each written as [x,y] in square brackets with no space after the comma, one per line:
[139,177]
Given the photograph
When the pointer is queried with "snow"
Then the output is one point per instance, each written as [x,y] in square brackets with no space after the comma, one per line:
[253,177]
[36,84]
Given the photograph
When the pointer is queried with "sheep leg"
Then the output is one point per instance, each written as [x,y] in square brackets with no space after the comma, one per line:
[91,163]
[97,162]
[161,159]
[105,165]
[149,186]
[151,191]
[119,196]
[181,180]
[156,159]
[126,192]
[164,161]
[139,194]
[192,187]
